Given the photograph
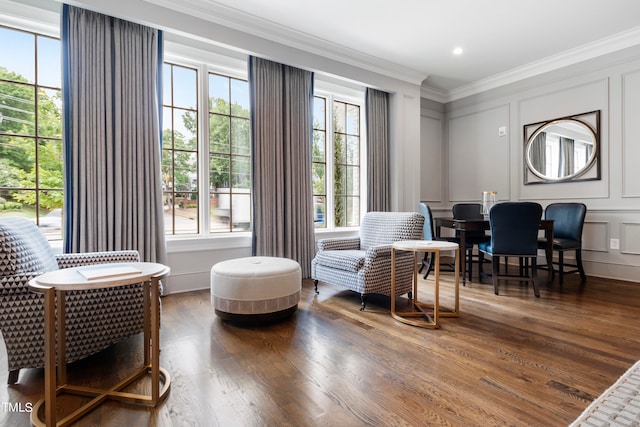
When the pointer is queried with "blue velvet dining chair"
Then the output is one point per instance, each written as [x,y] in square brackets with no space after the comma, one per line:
[428,234]
[514,232]
[568,221]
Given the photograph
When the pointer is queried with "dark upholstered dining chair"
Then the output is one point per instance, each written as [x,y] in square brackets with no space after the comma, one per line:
[568,221]
[428,234]
[469,211]
[514,232]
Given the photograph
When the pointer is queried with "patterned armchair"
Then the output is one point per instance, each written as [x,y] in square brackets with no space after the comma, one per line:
[363,264]
[95,319]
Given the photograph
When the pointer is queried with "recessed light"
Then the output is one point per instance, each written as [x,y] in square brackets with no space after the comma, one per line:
[457,51]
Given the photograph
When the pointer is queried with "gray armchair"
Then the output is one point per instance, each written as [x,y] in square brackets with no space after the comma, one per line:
[95,319]
[363,264]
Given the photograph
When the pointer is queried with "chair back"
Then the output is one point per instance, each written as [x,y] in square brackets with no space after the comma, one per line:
[568,220]
[514,228]
[428,229]
[23,248]
[469,211]
[384,228]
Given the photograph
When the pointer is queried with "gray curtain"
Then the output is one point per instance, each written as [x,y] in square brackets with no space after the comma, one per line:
[113,189]
[281,129]
[378,175]
[538,153]
[567,163]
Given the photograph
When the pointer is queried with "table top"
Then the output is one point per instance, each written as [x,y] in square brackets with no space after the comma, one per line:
[98,276]
[479,224]
[425,245]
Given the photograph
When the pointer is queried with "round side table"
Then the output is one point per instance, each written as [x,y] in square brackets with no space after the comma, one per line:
[425,315]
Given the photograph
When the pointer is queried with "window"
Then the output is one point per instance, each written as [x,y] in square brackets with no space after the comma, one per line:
[193,171]
[180,149]
[31,182]
[229,154]
[336,163]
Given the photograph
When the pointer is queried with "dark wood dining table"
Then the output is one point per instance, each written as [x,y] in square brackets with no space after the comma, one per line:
[464,225]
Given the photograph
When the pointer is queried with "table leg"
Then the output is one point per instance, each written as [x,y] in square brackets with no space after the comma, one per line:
[50,382]
[548,234]
[155,342]
[436,291]
[463,251]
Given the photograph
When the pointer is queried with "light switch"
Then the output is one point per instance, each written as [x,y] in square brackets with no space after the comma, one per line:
[502,131]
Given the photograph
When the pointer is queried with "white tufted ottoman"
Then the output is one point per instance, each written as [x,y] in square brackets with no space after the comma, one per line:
[255,289]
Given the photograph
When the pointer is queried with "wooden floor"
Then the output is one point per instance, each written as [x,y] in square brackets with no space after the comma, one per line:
[511,360]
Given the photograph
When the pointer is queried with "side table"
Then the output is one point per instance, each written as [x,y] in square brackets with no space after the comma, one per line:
[427,315]
[53,286]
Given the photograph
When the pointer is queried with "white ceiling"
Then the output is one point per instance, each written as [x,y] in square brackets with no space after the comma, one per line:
[416,37]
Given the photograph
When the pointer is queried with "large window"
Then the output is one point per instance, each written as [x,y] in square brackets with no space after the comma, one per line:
[336,163]
[180,149]
[229,154]
[31,178]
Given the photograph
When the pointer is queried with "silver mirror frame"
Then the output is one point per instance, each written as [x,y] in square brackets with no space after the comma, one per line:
[589,121]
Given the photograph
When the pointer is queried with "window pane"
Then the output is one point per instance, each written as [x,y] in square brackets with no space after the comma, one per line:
[241,172]
[18,55]
[241,211]
[18,108]
[167,128]
[50,219]
[49,62]
[166,84]
[219,133]
[339,117]
[185,171]
[221,214]
[319,146]
[353,181]
[339,149]
[185,130]
[319,116]
[186,213]
[353,211]
[353,150]
[216,223]
[319,209]
[219,172]
[240,135]
[51,170]
[239,98]
[340,211]
[185,88]
[218,94]
[17,158]
[318,178]
[353,119]
[50,113]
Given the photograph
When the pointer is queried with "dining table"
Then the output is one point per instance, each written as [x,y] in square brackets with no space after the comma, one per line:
[465,225]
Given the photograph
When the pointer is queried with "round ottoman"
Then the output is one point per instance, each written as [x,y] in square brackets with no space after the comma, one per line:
[255,289]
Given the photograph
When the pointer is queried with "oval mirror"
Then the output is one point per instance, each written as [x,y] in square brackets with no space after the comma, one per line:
[561,150]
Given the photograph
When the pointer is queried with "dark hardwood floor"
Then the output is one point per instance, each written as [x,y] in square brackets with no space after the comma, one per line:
[511,360]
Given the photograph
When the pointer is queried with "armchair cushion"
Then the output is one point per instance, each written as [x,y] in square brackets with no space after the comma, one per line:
[23,249]
[346,260]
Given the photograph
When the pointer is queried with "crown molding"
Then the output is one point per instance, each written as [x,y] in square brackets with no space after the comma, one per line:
[31,17]
[582,53]
[263,28]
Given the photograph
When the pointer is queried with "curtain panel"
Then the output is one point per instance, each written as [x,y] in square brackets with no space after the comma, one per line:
[113,188]
[281,138]
[378,174]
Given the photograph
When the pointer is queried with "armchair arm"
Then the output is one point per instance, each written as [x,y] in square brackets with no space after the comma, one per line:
[16,284]
[336,244]
[90,258]
[376,254]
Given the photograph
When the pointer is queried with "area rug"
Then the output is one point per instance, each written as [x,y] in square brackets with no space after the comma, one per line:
[619,405]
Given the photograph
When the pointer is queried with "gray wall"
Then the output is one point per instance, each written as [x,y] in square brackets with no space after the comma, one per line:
[463,154]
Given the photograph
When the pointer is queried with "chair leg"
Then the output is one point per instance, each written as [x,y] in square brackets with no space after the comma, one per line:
[480,263]
[534,278]
[315,285]
[583,276]
[561,265]
[13,376]
[363,301]
[495,267]
[428,261]
[470,258]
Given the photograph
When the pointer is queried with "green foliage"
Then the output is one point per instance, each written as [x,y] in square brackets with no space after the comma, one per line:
[10,206]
